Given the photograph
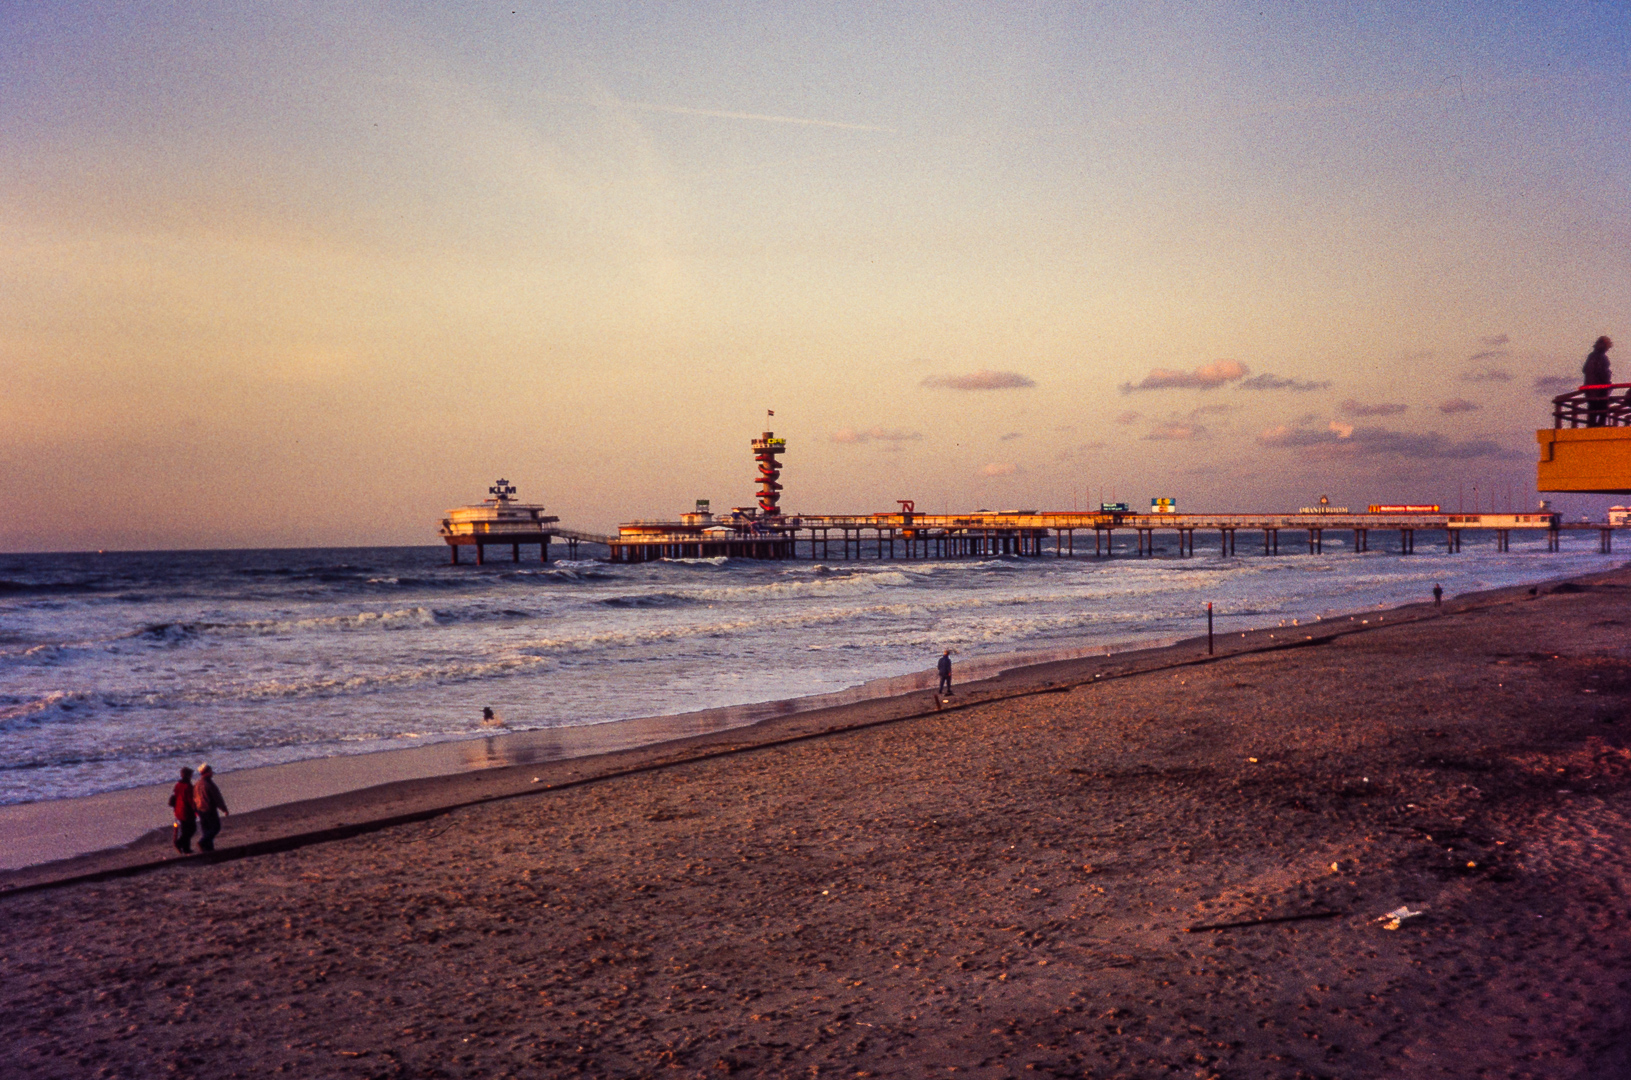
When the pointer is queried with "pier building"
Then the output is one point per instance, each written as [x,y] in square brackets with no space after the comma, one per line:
[498,520]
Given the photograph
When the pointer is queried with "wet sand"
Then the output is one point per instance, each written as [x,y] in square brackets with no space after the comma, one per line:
[998,889]
[56,830]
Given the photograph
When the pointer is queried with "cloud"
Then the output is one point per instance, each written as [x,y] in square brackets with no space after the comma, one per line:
[1458,405]
[980,380]
[1355,408]
[1489,354]
[1337,440]
[1266,381]
[1013,435]
[1129,417]
[1496,341]
[875,434]
[1176,433]
[1000,468]
[1204,377]
[1210,410]
[1078,453]
[1553,385]
[1487,375]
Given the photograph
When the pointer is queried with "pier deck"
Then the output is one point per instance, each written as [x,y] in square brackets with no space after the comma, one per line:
[940,536]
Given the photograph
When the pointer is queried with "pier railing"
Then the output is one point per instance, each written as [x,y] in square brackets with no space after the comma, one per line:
[1593,406]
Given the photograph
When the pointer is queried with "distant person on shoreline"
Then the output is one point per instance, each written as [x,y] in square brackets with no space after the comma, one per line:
[945,673]
[1595,373]
[210,807]
[186,809]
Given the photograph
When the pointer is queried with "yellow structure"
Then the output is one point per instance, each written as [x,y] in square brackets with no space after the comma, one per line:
[1585,459]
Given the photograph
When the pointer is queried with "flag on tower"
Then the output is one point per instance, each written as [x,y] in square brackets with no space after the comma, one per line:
[770,412]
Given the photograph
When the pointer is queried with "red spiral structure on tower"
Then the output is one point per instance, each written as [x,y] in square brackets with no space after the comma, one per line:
[765,449]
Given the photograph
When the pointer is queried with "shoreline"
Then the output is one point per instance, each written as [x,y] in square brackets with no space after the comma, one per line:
[41,831]
[289,805]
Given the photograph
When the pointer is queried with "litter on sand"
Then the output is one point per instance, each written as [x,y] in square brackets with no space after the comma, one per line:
[1394,918]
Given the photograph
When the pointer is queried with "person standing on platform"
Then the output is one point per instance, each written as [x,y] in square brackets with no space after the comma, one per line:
[945,673]
[1595,375]
[210,807]
[181,801]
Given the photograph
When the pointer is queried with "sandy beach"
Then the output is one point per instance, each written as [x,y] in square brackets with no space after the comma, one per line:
[1006,887]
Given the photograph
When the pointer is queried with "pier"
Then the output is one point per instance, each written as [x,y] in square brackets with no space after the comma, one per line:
[762,530]
[909,535]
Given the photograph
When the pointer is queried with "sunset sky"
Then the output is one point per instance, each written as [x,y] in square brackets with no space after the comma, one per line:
[289,275]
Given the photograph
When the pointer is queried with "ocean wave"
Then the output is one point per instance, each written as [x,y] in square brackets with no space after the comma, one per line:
[179,633]
[563,572]
[23,711]
[647,600]
[51,588]
[852,584]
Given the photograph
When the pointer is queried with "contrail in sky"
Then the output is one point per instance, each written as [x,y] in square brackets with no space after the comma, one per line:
[680,110]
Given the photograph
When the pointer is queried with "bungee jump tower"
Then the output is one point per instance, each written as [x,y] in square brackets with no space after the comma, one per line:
[747,532]
[765,449]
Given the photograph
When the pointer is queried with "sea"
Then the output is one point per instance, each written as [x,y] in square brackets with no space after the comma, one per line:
[117,667]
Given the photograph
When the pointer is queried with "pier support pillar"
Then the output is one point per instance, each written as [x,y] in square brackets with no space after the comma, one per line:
[454,548]
[481,554]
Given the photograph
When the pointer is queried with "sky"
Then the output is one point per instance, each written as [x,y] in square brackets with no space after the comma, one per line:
[278,275]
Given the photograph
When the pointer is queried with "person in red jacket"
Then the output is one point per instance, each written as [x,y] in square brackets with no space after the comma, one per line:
[210,807]
[181,801]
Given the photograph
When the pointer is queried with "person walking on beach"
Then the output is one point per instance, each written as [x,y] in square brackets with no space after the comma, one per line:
[210,807]
[181,801]
[1438,595]
[945,673]
[1595,374]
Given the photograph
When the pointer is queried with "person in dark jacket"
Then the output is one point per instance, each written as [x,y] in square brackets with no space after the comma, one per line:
[181,801]
[1595,373]
[210,807]
[945,672]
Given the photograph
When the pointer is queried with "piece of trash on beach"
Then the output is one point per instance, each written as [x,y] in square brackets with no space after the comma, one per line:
[536,779]
[1393,919]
